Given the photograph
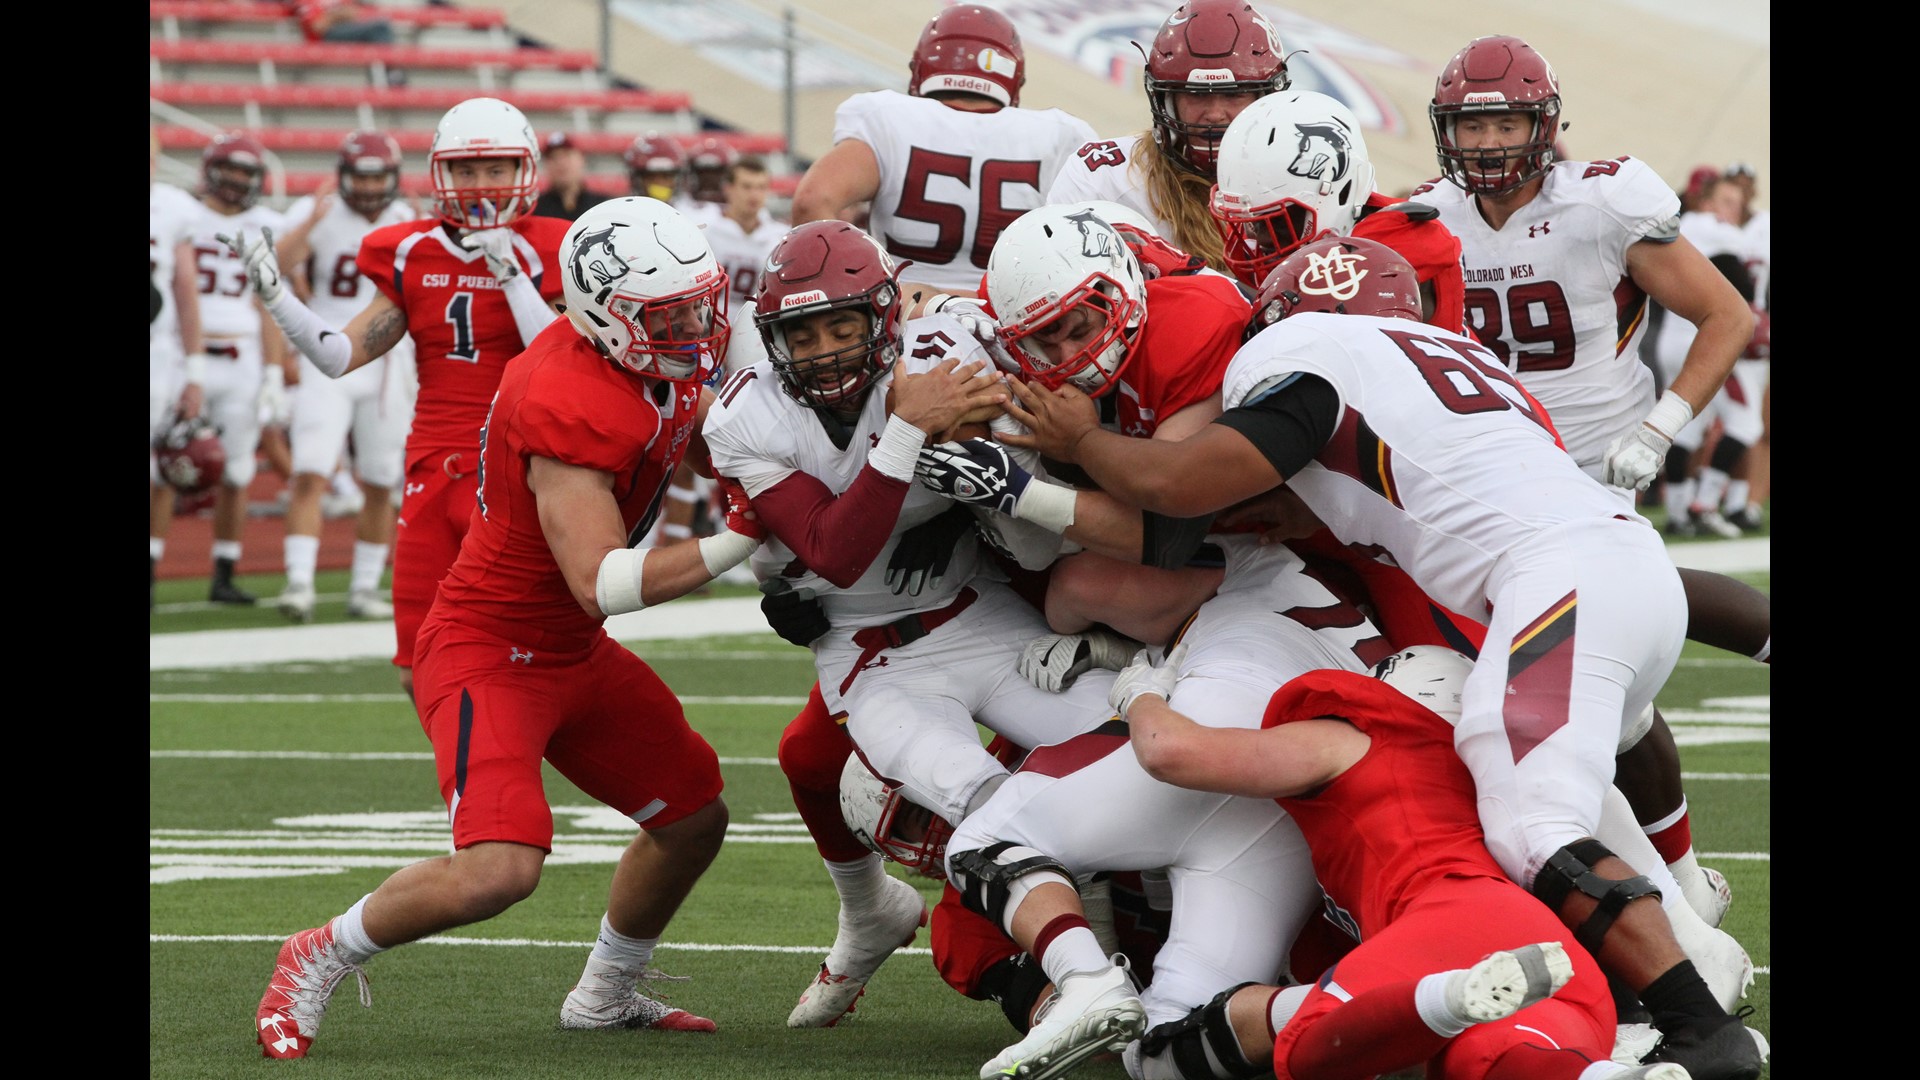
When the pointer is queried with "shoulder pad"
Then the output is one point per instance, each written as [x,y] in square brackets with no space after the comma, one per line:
[1414,210]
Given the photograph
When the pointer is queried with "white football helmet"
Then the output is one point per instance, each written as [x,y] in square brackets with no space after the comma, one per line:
[879,816]
[484,128]
[642,283]
[1051,262]
[1432,675]
[1293,168]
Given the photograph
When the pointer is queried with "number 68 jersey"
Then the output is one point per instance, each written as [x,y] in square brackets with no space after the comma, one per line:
[1436,455]
[463,331]
[950,180]
[340,291]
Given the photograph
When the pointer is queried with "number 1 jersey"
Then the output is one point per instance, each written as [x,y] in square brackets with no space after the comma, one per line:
[462,328]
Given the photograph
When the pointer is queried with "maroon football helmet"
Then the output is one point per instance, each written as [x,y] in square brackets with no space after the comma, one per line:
[190,456]
[656,166]
[829,266]
[369,153]
[1208,47]
[234,166]
[1496,75]
[708,162]
[1346,275]
[972,49]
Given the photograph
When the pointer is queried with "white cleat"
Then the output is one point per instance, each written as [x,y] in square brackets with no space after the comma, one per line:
[1663,1071]
[1723,962]
[1503,983]
[366,604]
[861,946]
[1715,910]
[1090,1013]
[600,1001]
[1631,1042]
[296,603]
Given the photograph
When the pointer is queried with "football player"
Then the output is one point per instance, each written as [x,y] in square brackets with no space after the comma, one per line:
[823,435]
[657,168]
[708,162]
[472,286]
[1417,440]
[246,359]
[176,364]
[1568,325]
[946,165]
[1757,224]
[1210,60]
[372,404]
[515,664]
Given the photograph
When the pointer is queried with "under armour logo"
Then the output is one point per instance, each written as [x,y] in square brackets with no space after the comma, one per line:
[879,661]
[414,489]
[281,1041]
[873,439]
[518,656]
[1541,229]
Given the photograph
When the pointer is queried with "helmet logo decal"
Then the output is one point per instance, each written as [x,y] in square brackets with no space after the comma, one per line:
[595,256]
[1097,238]
[994,62]
[811,296]
[1211,75]
[1326,149]
[1337,274]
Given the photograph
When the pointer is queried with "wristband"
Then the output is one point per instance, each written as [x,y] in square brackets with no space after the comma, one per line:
[898,451]
[617,587]
[1049,506]
[1669,415]
[725,550]
[195,367]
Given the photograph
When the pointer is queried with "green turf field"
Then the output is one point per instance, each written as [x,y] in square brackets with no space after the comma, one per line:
[280,795]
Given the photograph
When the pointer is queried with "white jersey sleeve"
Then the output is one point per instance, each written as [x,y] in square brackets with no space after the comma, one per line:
[950,180]
[1113,170]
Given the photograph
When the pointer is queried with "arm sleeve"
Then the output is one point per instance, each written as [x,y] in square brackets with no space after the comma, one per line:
[837,537]
[1290,422]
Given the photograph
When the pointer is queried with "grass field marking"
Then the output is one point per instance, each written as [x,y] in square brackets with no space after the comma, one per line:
[521,943]
[1760,776]
[1736,856]
[783,700]
[360,755]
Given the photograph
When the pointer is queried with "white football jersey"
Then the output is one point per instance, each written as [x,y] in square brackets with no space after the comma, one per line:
[759,435]
[226,297]
[950,180]
[1759,253]
[1436,456]
[339,292]
[1549,291]
[1110,169]
[742,254]
[171,216]
[1713,237]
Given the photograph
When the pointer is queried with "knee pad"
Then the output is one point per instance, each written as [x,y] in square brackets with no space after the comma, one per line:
[1726,454]
[1202,1044]
[984,879]
[1571,868]
[1015,983]
[1635,730]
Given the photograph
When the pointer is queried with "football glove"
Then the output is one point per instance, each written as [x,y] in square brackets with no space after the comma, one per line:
[921,555]
[1634,459]
[263,266]
[975,472]
[1053,661]
[793,613]
[496,244]
[1143,676]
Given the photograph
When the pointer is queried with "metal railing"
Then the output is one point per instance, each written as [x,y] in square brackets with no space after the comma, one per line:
[172,114]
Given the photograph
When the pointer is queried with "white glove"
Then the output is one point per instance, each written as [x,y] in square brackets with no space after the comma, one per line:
[1144,677]
[972,316]
[263,266]
[1634,459]
[1052,662]
[496,244]
[275,402]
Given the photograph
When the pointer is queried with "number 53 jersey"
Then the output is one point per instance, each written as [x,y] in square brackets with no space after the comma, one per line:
[1549,291]
[462,329]
[950,180]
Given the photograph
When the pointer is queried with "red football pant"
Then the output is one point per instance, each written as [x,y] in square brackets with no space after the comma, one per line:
[433,520]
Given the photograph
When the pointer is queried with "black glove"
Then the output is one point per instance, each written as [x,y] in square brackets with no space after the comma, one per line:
[793,613]
[921,556]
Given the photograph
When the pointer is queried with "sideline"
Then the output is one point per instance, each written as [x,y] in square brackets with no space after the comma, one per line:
[681,620]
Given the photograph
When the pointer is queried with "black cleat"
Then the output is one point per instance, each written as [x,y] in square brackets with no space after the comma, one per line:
[226,592]
[1717,1049]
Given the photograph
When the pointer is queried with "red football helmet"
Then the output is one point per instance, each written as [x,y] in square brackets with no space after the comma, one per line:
[1496,75]
[190,456]
[234,166]
[708,162]
[1346,275]
[1208,47]
[829,266]
[369,153]
[882,819]
[656,166]
[972,49]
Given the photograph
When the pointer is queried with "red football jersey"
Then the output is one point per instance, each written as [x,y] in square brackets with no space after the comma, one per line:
[462,328]
[1194,326]
[1401,817]
[561,399]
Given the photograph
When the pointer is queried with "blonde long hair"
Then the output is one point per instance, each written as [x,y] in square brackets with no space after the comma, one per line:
[1180,199]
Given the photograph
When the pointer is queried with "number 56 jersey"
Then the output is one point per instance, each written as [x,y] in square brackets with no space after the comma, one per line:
[950,180]
[1435,455]
[462,329]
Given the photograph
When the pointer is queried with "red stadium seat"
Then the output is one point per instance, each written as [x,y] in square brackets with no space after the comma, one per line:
[320,54]
[322,140]
[244,11]
[434,99]
[414,183]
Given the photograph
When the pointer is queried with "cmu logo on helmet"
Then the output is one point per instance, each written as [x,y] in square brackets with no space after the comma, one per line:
[1337,274]
[1326,149]
[1097,238]
[597,267]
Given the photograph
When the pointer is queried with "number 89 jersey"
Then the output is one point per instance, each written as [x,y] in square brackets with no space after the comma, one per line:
[950,180]
[339,290]
[462,329]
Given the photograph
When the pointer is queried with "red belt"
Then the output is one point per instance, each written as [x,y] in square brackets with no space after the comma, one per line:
[875,640]
[224,352]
